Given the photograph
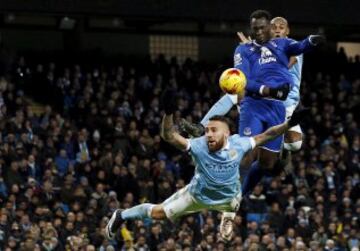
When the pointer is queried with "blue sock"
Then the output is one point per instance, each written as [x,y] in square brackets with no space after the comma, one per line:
[221,107]
[138,212]
[252,178]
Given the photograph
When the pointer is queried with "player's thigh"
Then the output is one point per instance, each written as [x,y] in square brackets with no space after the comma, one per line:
[275,116]
[267,158]
[181,203]
[294,134]
[249,123]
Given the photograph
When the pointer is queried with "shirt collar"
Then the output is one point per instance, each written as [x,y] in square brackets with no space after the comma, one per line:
[227,146]
[256,44]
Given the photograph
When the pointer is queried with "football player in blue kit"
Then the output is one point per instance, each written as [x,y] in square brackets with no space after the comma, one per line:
[215,184]
[264,62]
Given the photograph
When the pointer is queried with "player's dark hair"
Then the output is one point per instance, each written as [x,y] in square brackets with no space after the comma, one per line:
[223,119]
[261,14]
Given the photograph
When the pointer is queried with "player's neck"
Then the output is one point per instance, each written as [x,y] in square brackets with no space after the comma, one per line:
[226,145]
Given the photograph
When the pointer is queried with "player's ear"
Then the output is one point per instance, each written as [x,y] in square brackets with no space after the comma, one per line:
[227,132]
[287,31]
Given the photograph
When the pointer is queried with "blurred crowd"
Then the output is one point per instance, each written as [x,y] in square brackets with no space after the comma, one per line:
[95,147]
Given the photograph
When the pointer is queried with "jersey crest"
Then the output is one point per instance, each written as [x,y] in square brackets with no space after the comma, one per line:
[233,154]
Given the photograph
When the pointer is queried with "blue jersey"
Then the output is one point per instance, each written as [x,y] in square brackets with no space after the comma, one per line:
[294,95]
[267,64]
[216,178]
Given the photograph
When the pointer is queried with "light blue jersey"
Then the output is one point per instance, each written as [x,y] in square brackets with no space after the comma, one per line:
[216,178]
[294,95]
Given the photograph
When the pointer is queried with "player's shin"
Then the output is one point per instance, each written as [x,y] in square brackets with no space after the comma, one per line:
[252,178]
[138,212]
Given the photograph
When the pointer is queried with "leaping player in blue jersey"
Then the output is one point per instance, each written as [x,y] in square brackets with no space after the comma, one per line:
[265,63]
[216,184]
[293,137]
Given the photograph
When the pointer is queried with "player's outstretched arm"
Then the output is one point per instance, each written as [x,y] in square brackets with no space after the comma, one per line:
[170,135]
[278,130]
[271,134]
[296,48]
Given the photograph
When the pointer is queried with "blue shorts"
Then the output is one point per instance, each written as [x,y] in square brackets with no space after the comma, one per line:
[257,115]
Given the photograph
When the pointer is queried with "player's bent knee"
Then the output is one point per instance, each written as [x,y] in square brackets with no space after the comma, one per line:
[158,212]
[294,135]
[294,146]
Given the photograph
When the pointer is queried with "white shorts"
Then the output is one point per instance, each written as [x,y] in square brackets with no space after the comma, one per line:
[183,203]
[289,112]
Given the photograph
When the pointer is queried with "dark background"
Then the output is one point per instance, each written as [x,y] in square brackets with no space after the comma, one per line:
[113,27]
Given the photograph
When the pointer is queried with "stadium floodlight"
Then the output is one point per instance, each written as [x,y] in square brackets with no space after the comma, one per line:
[67,23]
[9,18]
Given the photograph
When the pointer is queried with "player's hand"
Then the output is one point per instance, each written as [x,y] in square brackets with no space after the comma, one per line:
[243,39]
[280,93]
[317,39]
[292,61]
[169,101]
[298,116]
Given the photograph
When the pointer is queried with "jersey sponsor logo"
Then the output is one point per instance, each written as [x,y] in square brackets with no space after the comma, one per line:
[221,168]
[266,56]
[237,59]
[247,131]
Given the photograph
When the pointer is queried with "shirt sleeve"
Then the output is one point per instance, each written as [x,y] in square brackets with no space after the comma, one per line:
[246,143]
[195,145]
[242,63]
[293,47]
[188,146]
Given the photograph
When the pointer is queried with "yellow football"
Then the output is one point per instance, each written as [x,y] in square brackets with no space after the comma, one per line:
[233,81]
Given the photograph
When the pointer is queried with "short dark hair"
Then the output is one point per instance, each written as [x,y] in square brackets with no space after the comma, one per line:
[260,14]
[223,119]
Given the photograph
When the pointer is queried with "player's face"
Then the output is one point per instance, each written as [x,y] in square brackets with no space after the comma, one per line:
[279,29]
[260,29]
[216,133]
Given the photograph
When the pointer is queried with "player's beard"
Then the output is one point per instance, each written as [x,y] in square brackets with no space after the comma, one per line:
[214,145]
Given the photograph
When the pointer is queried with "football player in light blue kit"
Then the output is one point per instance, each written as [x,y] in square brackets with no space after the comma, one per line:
[215,185]
[293,137]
